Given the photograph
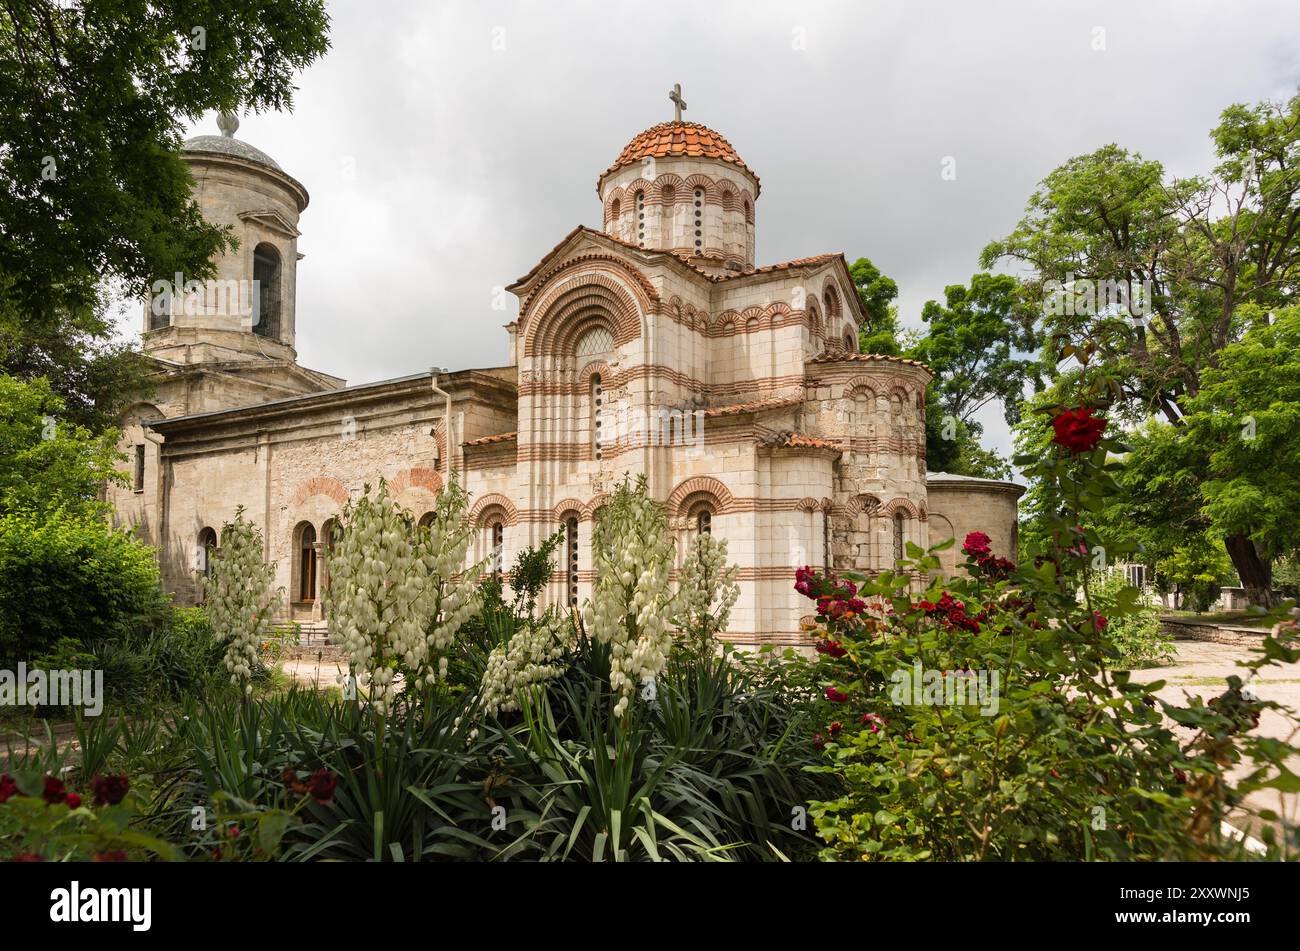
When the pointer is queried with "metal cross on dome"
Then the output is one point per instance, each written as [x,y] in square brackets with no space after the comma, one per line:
[678,102]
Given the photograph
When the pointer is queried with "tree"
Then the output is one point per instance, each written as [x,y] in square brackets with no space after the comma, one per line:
[880,332]
[1245,424]
[1151,279]
[46,461]
[93,190]
[981,345]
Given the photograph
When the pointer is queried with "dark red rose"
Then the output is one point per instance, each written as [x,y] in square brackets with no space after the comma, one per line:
[8,788]
[117,856]
[1078,430]
[976,544]
[321,786]
[1098,622]
[54,790]
[1180,776]
[834,729]
[831,649]
[873,720]
[73,801]
[819,741]
[109,790]
[835,696]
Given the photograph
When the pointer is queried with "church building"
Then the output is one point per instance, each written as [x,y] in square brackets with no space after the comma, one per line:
[652,345]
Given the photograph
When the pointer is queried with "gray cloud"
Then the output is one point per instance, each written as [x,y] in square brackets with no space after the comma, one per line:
[441,168]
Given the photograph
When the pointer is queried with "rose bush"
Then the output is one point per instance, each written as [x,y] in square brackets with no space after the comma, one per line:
[987,716]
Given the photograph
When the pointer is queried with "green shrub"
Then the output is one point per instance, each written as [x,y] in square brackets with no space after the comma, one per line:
[72,576]
[1135,633]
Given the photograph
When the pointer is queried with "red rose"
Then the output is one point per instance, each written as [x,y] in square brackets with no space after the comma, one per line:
[1098,622]
[321,786]
[109,790]
[873,720]
[73,801]
[976,544]
[831,648]
[834,696]
[8,788]
[834,728]
[54,791]
[1078,430]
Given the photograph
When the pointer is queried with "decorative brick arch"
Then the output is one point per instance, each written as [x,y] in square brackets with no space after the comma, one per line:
[601,296]
[808,504]
[831,298]
[706,486]
[493,502]
[675,182]
[900,504]
[417,478]
[864,503]
[589,510]
[321,485]
[566,507]
[860,385]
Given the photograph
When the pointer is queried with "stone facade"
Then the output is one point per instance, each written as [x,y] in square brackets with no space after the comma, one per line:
[654,346]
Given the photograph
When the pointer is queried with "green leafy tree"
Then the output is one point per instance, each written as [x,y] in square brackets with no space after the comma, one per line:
[877,292]
[1149,279]
[981,345]
[93,191]
[46,461]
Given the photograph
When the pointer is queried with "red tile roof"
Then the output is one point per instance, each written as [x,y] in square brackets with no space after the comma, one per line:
[839,356]
[681,139]
[735,409]
[492,440]
[795,440]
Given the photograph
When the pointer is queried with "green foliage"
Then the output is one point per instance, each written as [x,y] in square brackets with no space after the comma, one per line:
[1134,632]
[879,333]
[1195,572]
[71,576]
[47,462]
[1064,756]
[981,345]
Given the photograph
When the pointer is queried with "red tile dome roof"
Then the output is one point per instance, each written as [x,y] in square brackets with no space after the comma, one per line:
[678,139]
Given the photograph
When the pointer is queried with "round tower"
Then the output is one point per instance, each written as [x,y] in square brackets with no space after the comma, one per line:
[247,310]
[681,187]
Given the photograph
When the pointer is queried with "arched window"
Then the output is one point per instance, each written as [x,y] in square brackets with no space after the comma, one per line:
[426,521]
[571,560]
[306,563]
[668,194]
[267,278]
[597,413]
[850,341]
[704,522]
[497,536]
[699,221]
[615,210]
[208,547]
[699,514]
[898,537]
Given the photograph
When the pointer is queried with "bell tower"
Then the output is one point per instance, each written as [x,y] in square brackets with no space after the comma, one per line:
[247,311]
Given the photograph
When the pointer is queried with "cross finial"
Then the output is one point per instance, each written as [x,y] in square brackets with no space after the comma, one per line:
[678,102]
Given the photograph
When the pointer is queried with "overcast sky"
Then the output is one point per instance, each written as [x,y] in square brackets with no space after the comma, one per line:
[448,145]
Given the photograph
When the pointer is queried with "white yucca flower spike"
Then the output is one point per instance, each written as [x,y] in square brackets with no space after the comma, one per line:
[707,592]
[398,592]
[631,597]
[239,597]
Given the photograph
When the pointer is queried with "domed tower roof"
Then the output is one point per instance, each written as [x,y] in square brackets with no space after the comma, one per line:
[226,147]
[229,145]
[678,139]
